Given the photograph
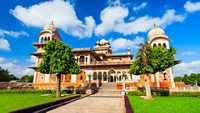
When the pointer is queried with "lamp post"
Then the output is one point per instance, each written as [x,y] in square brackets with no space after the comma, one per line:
[123,76]
[89,76]
[124,87]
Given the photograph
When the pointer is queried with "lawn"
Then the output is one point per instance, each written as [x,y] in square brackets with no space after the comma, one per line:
[165,105]
[10,102]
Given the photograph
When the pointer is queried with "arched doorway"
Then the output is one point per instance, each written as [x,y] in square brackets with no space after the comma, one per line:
[100,76]
[111,79]
[120,78]
[111,73]
[104,76]
[94,76]
[115,78]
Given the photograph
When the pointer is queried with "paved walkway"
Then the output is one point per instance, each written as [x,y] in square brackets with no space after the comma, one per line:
[93,104]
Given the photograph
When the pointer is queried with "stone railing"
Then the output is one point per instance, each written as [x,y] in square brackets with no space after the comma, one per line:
[186,89]
[78,49]
[105,63]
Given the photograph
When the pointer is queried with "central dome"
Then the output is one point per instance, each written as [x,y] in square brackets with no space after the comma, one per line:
[51,27]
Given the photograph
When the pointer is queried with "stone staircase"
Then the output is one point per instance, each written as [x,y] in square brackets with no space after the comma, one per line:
[108,89]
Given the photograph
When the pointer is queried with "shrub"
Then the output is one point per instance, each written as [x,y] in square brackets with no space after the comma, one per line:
[142,89]
[28,91]
[185,94]
[80,91]
[136,93]
[160,91]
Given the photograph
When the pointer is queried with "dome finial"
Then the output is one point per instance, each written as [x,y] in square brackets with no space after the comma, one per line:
[51,22]
[154,25]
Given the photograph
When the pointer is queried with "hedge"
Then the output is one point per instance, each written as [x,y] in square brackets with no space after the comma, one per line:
[160,91]
[185,94]
[136,93]
[29,91]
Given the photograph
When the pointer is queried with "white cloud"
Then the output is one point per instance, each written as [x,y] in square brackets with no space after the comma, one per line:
[14,68]
[13,33]
[192,7]
[4,45]
[111,16]
[187,68]
[32,59]
[112,21]
[188,53]
[143,24]
[142,6]
[61,12]
[2,59]
[122,43]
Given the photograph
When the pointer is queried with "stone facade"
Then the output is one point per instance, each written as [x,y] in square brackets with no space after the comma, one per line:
[99,65]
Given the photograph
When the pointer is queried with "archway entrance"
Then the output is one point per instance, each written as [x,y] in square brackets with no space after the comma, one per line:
[111,79]
[111,74]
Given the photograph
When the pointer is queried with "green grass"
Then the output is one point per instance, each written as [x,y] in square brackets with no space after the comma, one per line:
[165,105]
[10,102]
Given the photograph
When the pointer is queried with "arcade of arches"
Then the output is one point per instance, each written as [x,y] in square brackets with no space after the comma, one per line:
[110,76]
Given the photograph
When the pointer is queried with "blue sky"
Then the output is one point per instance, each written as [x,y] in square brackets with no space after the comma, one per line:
[81,23]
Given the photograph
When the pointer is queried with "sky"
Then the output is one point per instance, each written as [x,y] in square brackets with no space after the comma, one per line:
[81,23]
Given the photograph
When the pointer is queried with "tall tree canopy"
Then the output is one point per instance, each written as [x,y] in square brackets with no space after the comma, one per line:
[192,79]
[26,78]
[150,60]
[5,75]
[58,59]
[159,59]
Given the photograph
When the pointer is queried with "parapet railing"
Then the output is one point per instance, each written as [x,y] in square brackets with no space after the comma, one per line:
[105,63]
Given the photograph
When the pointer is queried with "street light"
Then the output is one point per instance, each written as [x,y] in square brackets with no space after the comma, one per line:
[124,76]
[89,76]
[123,89]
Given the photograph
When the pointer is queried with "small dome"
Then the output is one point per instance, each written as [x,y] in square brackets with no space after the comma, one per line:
[103,41]
[50,26]
[155,32]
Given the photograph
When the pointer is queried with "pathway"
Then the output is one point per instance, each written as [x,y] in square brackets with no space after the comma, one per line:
[106,101]
[93,104]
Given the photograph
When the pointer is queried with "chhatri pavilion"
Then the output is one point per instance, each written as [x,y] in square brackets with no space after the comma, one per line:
[100,65]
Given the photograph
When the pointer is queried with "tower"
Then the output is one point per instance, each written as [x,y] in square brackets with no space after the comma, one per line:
[49,33]
[157,37]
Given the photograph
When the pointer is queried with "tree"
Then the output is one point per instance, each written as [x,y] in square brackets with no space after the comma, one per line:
[5,75]
[26,78]
[192,79]
[151,60]
[58,59]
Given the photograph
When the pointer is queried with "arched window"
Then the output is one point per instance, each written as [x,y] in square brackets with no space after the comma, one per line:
[48,37]
[42,39]
[154,45]
[164,45]
[86,59]
[82,58]
[159,44]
